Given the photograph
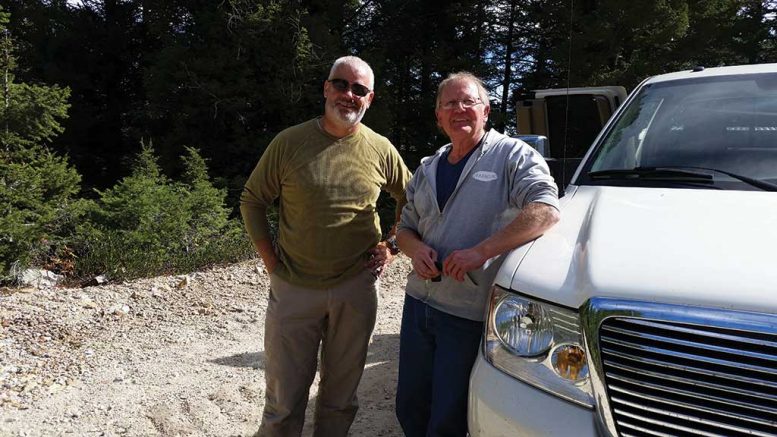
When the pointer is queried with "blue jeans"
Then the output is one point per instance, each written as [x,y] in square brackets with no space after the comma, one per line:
[436,353]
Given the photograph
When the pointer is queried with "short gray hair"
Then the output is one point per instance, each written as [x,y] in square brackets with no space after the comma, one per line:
[355,62]
[460,76]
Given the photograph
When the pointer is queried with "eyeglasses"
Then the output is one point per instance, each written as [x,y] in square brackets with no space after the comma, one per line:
[466,104]
[342,85]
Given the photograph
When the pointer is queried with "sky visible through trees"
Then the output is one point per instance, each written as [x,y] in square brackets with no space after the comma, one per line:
[225,77]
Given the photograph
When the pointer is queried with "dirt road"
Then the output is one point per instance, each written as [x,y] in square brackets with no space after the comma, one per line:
[171,356]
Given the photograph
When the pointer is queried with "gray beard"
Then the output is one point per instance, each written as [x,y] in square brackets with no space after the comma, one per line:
[346,120]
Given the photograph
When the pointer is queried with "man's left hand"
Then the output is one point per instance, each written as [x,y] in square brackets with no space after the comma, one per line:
[459,262]
[380,257]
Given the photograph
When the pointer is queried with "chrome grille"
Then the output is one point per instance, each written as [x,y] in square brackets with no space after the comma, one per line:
[694,373]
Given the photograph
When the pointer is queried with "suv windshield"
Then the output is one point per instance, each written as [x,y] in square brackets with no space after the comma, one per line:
[713,132]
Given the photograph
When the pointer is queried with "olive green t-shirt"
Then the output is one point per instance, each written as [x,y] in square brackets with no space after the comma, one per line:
[328,189]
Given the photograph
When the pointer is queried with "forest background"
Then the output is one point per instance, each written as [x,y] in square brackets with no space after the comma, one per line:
[128,127]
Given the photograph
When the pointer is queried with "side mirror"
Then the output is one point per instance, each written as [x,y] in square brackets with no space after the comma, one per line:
[538,142]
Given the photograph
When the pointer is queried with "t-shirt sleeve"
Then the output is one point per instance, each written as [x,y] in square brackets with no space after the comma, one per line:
[397,174]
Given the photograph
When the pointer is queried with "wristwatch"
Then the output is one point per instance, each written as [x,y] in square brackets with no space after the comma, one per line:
[391,243]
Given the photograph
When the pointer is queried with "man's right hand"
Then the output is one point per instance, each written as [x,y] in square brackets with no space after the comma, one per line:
[270,264]
[422,256]
[267,252]
[423,260]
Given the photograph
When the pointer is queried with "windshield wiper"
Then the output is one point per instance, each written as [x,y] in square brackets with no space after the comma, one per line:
[766,186]
[653,173]
[678,174]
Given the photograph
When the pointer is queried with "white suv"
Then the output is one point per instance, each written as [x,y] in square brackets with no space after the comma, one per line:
[650,309]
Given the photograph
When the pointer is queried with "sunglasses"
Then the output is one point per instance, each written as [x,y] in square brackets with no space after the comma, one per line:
[342,85]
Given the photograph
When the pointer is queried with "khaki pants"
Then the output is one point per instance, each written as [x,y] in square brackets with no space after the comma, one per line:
[341,319]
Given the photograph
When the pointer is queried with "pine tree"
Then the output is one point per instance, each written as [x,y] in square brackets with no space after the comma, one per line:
[204,203]
[37,187]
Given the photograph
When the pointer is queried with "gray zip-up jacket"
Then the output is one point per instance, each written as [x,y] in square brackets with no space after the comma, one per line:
[502,176]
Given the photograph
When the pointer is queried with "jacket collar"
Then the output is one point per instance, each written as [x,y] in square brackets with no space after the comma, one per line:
[490,138]
[429,163]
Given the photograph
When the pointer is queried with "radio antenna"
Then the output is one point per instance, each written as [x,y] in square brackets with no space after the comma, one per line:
[566,110]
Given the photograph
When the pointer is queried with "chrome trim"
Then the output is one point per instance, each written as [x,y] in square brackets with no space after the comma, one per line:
[564,321]
[656,399]
[709,398]
[692,369]
[669,425]
[715,331]
[687,417]
[674,341]
[700,332]
[681,380]
[641,429]
[692,357]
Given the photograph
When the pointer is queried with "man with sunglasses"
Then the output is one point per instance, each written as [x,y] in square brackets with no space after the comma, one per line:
[324,269]
[474,200]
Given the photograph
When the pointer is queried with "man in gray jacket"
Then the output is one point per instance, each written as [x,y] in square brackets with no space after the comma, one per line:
[468,204]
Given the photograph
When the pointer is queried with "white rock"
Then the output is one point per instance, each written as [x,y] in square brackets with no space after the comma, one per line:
[86,302]
[118,309]
[39,278]
[159,290]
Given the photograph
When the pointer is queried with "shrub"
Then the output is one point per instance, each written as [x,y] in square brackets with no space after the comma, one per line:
[147,224]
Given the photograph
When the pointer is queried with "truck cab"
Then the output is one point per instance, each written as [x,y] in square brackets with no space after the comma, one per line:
[650,309]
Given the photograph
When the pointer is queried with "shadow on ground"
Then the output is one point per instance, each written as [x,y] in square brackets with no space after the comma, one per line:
[254,360]
[376,390]
[383,349]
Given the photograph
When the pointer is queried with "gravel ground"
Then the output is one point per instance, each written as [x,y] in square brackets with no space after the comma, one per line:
[171,356]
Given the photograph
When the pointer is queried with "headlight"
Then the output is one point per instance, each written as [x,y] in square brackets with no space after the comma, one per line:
[538,343]
[523,326]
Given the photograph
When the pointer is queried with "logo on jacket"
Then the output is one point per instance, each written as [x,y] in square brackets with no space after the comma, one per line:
[485,176]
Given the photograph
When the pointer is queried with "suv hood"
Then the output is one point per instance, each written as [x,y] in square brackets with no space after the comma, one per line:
[695,247]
